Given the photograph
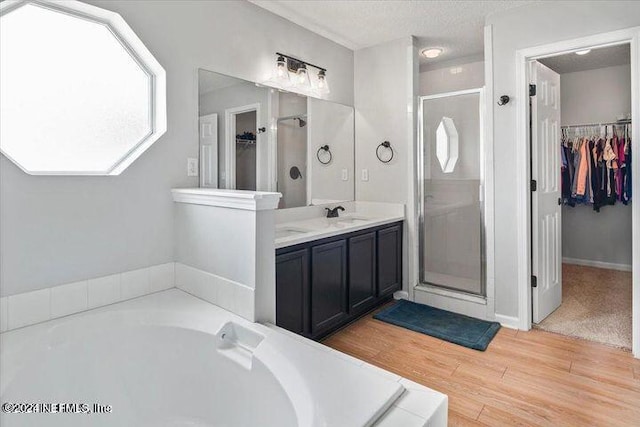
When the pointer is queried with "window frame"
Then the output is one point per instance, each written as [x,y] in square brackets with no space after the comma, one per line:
[139,53]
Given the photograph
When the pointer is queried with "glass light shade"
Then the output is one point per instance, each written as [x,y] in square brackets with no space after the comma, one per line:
[447,145]
[302,78]
[323,84]
[280,73]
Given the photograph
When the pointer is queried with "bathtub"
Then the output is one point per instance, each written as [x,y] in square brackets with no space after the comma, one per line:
[170,359]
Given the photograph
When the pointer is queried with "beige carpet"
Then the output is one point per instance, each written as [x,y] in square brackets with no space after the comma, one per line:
[596,305]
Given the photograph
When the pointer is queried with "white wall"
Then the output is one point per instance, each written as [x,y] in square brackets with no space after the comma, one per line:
[385,94]
[61,229]
[451,77]
[331,124]
[519,28]
[596,96]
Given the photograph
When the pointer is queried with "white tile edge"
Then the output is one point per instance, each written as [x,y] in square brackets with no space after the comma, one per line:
[227,294]
[5,302]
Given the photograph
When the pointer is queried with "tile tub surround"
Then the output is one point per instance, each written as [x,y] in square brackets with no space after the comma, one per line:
[225,248]
[310,223]
[17,311]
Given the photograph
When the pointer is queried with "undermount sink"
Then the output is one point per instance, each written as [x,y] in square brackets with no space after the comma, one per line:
[353,220]
[290,231]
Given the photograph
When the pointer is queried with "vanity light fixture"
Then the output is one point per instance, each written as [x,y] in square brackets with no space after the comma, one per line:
[582,52]
[293,73]
[431,52]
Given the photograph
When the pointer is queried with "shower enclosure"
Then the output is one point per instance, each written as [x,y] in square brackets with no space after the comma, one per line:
[451,181]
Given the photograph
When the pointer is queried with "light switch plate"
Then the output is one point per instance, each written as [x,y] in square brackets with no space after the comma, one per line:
[365,175]
[345,174]
[192,166]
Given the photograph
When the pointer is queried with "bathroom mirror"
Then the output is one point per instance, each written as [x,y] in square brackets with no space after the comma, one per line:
[79,92]
[254,137]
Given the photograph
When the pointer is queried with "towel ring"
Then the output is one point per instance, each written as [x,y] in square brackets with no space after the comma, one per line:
[385,144]
[324,148]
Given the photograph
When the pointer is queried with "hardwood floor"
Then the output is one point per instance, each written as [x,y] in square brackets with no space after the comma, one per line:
[524,378]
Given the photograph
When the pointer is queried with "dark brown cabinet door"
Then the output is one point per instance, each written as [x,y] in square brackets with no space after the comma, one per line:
[292,291]
[389,260]
[328,285]
[362,272]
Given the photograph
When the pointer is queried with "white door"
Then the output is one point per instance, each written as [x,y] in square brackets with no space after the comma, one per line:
[209,150]
[546,219]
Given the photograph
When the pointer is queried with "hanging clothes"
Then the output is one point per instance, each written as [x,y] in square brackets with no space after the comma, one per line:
[596,169]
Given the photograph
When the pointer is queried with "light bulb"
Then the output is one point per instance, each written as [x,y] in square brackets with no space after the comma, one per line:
[302,78]
[323,85]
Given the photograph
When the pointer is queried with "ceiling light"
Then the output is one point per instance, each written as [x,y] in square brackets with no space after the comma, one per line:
[432,52]
[583,52]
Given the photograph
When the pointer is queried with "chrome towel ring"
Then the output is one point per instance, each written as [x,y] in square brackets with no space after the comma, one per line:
[326,149]
[387,145]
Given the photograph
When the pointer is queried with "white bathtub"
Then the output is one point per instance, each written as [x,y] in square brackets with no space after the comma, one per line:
[170,359]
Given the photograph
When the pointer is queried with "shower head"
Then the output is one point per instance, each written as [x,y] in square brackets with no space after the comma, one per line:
[301,121]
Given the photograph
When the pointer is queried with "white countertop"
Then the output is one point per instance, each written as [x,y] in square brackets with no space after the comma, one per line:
[296,232]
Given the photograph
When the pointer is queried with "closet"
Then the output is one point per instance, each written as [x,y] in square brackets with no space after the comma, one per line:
[590,138]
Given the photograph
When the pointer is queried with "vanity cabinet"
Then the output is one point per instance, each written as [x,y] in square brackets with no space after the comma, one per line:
[292,292]
[389,260]
[324,284]
[362,271]
[328,286]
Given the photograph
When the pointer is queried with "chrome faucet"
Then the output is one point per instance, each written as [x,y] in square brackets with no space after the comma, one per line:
[333,213]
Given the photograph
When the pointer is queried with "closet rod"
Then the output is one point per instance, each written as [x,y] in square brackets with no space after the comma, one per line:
[620,123]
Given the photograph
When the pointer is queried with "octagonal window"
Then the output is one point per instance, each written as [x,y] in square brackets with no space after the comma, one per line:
[447,144]
[79,92]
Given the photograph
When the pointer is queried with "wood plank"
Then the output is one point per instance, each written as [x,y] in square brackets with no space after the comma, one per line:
[532,378]
[459,420]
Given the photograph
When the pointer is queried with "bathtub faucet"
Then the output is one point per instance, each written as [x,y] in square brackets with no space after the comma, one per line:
[333,213]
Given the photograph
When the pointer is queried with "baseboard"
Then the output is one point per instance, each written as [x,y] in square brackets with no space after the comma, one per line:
[598,264]
[507,321]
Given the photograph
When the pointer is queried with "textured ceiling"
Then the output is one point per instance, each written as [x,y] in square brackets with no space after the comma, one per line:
[597,58]
[455,26]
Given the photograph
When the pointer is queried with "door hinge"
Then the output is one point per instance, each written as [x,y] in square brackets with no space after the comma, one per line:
[534,281]
[532,90]
[534,185]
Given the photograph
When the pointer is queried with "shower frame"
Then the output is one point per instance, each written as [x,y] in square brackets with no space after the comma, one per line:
[486,158]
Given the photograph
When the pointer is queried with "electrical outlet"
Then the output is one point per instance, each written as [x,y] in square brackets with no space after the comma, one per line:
[345,175]
[192,166]
[365,175]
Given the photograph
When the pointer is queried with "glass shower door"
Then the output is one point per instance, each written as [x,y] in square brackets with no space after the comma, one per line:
[451,182]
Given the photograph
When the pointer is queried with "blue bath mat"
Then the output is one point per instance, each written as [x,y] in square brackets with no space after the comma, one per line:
[448,326]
